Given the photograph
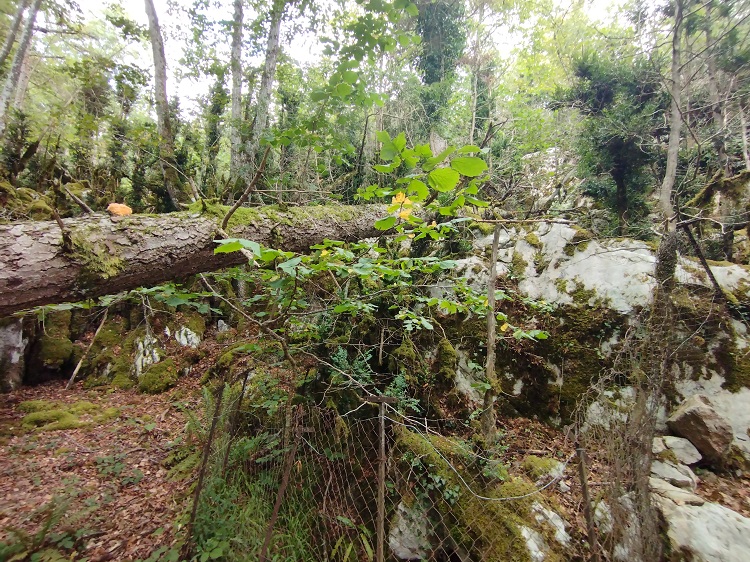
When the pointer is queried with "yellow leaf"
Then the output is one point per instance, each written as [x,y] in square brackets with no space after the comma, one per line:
[405,214]
[504,327]
[399,198]
[433,224]
[411,235]
[406,202]
[323,253]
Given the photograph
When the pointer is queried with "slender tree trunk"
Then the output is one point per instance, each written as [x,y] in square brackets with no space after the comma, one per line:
[675,121]
[235,163]
[475,77]
[745,143]
[11,80]
[717,113]
[11,38]
[162,106]
[23,81]
[267,78]
[621,202]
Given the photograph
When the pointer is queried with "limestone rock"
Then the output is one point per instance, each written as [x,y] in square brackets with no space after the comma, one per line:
[676,474]
[535,544]
[705,533]
[697,421]
[187,337]
[683,449]
[544,515]
[12,350]
[146,353]
[665,490]
[408,537]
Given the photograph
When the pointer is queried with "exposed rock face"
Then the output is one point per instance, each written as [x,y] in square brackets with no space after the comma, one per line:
[701,531]
[408,538]
[697,421]
[12,349]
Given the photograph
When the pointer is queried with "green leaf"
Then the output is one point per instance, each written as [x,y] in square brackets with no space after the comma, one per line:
[318,95]
[417,190]
[470,166]
[400,141]
[412,10]
[476,202]
[228,247]
[350,77]
[443,180]
[386,223]
[430,163]
[343,89]
[468,149]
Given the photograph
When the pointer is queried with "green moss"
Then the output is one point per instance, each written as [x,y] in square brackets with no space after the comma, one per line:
[537,467]
[98,261]
[579,242]
[38,406]
[533,240]
[405,357]
[667,455]
[540,262]
[486,530]
[193,321]
[123,381]
[486,228]
[158,377]
[584,296]
[54,348]
[447,361]
[51,420]
[40,211]
[518,265]
[53,416]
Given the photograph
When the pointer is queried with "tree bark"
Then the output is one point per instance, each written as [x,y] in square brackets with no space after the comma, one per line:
[11,38]
[164,125]
[11,80]
[109,256]
[235,162]
[717,110]
[267,78]
[675,121]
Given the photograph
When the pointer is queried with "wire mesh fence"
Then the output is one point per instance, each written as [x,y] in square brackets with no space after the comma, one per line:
[312,484]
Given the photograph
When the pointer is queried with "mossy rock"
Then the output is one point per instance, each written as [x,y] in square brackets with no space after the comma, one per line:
[44,415]
[538,467]
[159,377]
[52,352]
[447,361]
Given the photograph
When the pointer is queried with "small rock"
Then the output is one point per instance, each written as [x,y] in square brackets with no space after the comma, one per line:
[697,421]
[187,338]
[554,520]
[658,446]
[664,489]
[683,449]
[676,474]
[563,486]
[222,326]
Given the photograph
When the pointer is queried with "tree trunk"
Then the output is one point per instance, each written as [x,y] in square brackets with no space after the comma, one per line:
[745,143]
[11,80]
[11,38]
[108,256]
[23,81]
[166,150]
[235,163]
[267,78]
[621,202]
[675,121]
[717,113]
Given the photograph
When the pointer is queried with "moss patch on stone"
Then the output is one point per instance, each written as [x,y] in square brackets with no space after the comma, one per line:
[537,467]
[447,361]
[44,415]
[533,240]
[158,377]
[517,268]
[486,530]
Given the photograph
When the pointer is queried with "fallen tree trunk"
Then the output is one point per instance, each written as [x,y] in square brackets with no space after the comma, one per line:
[106,256]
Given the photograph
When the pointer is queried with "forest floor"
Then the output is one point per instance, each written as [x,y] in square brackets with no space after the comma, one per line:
[100,490]
[97,487]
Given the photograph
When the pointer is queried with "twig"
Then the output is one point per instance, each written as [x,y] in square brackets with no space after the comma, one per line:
[252,320]
[67,242]
[248,191]
[85,353]
[79,201]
